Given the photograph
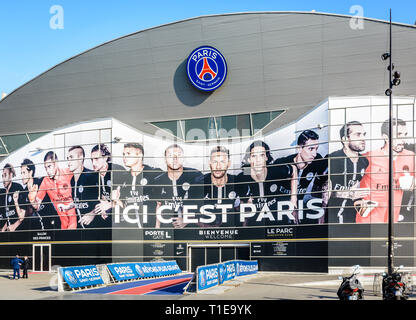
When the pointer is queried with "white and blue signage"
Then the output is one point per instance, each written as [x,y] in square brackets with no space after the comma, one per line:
[229,270]
[206,68]
[207,277]
[144,270]
[221,273]
[123,271]
[216,274]
[77,277]
[173,267]
[129,271]
[160,269]
[244,268]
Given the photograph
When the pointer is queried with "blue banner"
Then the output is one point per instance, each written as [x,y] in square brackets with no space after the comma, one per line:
[216,274]
[160,268]
[141,270]
[173,267]
[123,271]
[221,273]
[77,277]
[244,268]
[207,277]
[144,270]
[229,270]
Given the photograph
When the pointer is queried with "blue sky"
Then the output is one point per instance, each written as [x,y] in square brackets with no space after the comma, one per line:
[29,46]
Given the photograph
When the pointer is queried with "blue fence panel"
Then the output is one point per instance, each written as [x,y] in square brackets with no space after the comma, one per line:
[229,270]
[122,271]
[77,277]
[159,268]
[207,277]
[216,274]
[173,267]
[144,270]
[221,273]
[244,268]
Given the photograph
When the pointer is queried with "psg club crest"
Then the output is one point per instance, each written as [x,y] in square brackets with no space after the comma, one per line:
[70,277]
[206,68]
[201,278]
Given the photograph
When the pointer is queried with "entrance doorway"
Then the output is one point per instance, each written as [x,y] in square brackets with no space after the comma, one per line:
[41,257]
[203,254]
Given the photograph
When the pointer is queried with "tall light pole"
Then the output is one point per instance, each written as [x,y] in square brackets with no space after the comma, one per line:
[394,80]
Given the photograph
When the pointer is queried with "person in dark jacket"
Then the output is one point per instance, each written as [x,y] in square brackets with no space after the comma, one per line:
[25,266]
[16,263]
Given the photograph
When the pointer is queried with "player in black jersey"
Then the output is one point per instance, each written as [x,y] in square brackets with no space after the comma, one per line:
[172,187]
[2,209]
[312,175]
[134,207]
[84,187]
[258,188]
[347,167]
[33,219]
[13,214]
[214,192]
[103,166]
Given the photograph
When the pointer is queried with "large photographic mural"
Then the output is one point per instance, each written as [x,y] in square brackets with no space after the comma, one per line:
[313,179]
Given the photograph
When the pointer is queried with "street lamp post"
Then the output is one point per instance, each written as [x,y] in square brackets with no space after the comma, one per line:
[390,259]
[394,80]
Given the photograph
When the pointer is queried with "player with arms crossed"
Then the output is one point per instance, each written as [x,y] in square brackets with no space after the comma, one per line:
[376,176]
[311,172]
[347,168]
[57,185]
[10,200]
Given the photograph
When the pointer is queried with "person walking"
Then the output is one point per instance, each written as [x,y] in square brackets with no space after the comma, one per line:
[16,263]
[25,266]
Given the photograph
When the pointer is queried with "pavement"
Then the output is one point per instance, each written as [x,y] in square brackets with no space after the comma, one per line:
[260,286]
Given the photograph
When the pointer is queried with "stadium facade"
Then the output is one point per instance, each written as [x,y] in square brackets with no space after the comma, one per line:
[115,155]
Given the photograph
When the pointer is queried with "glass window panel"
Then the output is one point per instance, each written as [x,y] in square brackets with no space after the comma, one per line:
[14,142]
[200,129]
[34,136]
[172,127]
[234,126]
[2,148]
[262,119]
[275,114]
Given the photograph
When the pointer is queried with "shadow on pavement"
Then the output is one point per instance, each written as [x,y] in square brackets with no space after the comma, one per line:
[44,289]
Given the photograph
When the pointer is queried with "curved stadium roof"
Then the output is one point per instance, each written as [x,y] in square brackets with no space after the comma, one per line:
[276,60]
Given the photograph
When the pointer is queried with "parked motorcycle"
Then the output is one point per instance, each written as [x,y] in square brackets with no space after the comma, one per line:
[393,287]
[351,288]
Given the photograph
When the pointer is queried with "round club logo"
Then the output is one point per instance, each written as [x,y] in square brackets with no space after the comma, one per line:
[186,186]
[232,195]
[70,277]
[201,278]
[222,273]
[139,270]
[206,68]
